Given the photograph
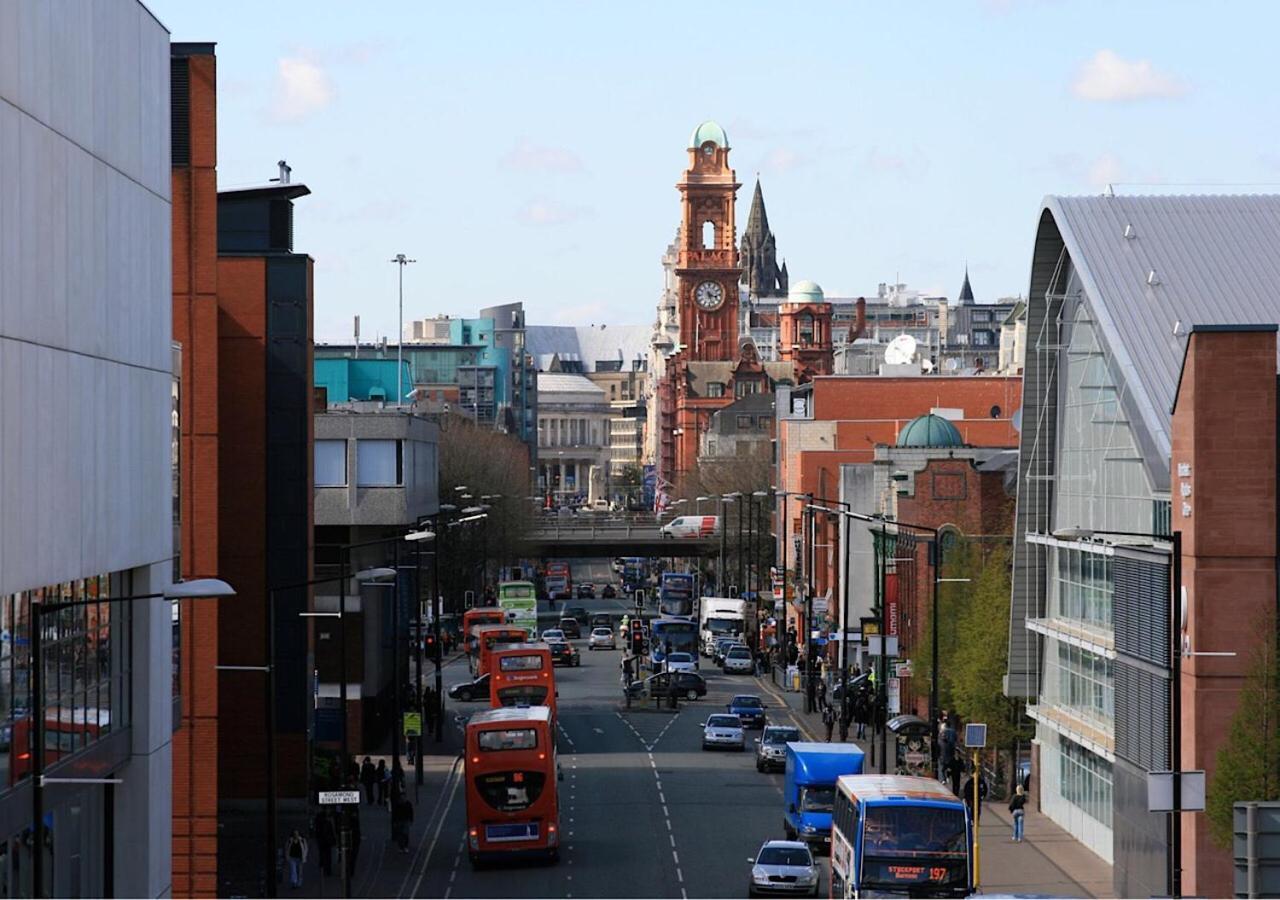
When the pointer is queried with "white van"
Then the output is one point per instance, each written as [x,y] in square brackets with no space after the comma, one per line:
[692,527]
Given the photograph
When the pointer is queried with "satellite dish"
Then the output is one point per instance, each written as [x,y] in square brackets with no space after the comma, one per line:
[952,364]
[926,365]
[901,350]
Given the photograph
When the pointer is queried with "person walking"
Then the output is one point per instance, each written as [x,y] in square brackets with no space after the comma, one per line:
[295,850]
[401,819]
[862,713]
[845,714]
[946,747]
[368,777]
[822,689]
[975,813]
[828,719]
[1017,806]
[326,838]
[383,777]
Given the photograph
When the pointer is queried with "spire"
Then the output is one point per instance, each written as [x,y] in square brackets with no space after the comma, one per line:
[757,219]
[966,292]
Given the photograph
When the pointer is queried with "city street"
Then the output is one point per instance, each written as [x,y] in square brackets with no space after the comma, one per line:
[644,811]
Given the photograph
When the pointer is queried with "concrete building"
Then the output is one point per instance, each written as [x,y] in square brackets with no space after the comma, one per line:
[1127,301]
[744,428]
[87,460]
[573,434]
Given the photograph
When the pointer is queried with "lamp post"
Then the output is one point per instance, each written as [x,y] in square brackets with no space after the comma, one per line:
[416,538]
[441,540]
[724,527]
[400,260]
[1174,875]
[200,589]
[757,551]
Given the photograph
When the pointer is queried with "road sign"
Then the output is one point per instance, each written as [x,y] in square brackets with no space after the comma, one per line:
[339,798]
[1160,791]
[413,724]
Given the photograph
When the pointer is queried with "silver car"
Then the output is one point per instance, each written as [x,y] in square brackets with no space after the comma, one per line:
[723,730]
[783,867]
[602,639]
[771,747]
[738,659]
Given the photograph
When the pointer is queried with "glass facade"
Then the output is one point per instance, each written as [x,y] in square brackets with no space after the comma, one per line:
[86,672]
[1083,588]
[1080,682]
[1084,780]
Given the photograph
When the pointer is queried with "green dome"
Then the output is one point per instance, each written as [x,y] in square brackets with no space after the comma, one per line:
[929,431]
[709,131]
[805,292]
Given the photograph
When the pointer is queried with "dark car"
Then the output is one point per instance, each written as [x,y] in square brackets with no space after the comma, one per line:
[570,627]
[722,646]
[586,591]
[601,620]
[471,690]
[749,708]
[608,592]
[577,612]
[689,685]
[564,654]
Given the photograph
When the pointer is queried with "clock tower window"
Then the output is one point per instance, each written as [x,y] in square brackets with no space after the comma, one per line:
[708,235]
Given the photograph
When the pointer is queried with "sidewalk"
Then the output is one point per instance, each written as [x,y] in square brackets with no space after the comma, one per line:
[1049,861]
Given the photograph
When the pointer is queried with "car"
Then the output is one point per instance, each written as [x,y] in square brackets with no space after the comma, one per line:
[608,592]
[471,690]
[771,747]
[689,685]
[586,591]
[749,708]
[577,612]
[570,627]
[681,662]
[601,620]
[602,639]
[738,659]
[564,654]
[722,646]
[783,867]
[553,634]
[691,527]
[723,730]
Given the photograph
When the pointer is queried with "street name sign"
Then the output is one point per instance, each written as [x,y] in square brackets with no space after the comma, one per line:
[334,798]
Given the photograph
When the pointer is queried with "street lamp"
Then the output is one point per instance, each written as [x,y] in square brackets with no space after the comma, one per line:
[200,589]
[724,527]
[416,538]
[1174,874]
[756,554]
[700,501]
[401,261]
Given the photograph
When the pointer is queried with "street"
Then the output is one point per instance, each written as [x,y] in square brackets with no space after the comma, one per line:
[644,811]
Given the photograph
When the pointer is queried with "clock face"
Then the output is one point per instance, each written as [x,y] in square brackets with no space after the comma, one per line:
[709,295]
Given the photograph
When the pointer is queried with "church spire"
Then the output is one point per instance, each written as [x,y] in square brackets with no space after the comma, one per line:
[759,254]
[757,219]
[966,291]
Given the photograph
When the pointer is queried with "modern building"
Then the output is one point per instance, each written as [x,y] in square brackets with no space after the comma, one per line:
[347,380]
[510,338]
[1138,306]
[88,479]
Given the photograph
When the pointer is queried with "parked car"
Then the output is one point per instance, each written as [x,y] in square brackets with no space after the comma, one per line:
[783,867]
[570,627]
[608,592]
[749,708]
[771,747]
[471,690]
[586,591]
[602,639]
[688,685]
[564,654]
[723,730]
[691,527]
[738,660]
[681,662]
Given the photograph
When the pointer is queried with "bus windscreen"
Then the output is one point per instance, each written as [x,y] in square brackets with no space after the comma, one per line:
[905,845]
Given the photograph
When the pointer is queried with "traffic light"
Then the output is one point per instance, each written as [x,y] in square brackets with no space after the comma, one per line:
[429,642]
[637,637]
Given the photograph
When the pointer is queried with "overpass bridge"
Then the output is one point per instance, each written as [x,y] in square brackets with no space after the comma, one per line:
[601,536]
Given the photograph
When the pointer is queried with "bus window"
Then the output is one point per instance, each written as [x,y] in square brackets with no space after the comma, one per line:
[520,663]
[511,739]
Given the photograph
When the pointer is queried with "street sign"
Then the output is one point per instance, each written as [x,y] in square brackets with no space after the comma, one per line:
[413,724]
[975,735]
[339,798]
[902,669]
[1160,791]
[873,644]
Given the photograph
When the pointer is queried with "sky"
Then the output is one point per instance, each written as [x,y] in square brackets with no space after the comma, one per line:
[529,150]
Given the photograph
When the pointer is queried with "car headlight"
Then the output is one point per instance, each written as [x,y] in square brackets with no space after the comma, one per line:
[809,829]
[759,874]
[808,878]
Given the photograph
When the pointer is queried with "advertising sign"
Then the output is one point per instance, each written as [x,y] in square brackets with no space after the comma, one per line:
[413,724]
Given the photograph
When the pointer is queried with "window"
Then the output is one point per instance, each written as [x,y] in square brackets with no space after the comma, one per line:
[982,315]
[744,423]
[331,463]
[715,389]
[511,739]
[379,463]
[983,339]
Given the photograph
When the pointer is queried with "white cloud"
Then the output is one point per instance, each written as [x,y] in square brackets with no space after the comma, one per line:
[1108,78]
[1104,170]
[302,88]
[529,157]
[545,211]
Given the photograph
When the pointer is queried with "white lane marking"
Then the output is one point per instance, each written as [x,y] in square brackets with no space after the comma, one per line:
[665,814]
[680,876]
[676,857]
[672,838]
[668,821]
[598,730]
[444,814]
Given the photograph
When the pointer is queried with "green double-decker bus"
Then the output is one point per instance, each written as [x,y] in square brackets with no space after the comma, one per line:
[519,600]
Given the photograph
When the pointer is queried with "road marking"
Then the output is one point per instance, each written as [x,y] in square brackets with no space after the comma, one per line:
[665,814]
[668,821]
[672,838]
[676,857]
[598,730]
[769,689]
[443,810]
[680,876]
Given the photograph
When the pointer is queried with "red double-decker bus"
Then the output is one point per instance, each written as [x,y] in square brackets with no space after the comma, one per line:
[479,615]
[521,675]
[513,806]
[490,636]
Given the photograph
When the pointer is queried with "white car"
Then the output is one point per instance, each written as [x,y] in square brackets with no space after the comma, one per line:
[692,527]
[723,730]
[738,659]
[554,634]
[783,867]
[602,638]
[681,662]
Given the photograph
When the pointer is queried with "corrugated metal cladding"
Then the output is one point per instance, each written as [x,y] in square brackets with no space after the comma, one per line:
[1140,606]
[1142,717]
[180,111]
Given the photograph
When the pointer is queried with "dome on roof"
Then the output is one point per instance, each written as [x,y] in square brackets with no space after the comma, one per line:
[805,292]
[709,131]
[929,431]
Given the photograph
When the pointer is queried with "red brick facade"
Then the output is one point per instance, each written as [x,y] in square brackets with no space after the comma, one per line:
[1224,434]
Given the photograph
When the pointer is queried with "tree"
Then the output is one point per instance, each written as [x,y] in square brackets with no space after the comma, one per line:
[745,474]
[1248,764]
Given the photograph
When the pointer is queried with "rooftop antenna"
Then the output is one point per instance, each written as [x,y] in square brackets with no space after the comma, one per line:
[285,171]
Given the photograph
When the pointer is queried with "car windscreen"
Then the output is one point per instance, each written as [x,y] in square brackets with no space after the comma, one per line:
[739,653]
[679,657]
[724,722]
[603,632]
[817,798]
[723,626]
[747,702]
[781,735]
[784,856]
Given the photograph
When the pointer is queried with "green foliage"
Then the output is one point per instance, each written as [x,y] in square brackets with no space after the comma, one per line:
[1248,764]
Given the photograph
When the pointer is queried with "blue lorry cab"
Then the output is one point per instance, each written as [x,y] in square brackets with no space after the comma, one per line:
[809,791]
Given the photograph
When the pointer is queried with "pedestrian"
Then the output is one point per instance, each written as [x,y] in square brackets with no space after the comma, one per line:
[828,719]
[946,747]
[1017,806]
[822,690]
[975,813]
[862,713]
[401,819]
[397,782]
[326,837]
[295,850]
[353,838]
[844,723]
[368,777]
[383,777]
[954,773]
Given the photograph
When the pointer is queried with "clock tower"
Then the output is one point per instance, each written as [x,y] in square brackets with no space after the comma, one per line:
[707,267]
